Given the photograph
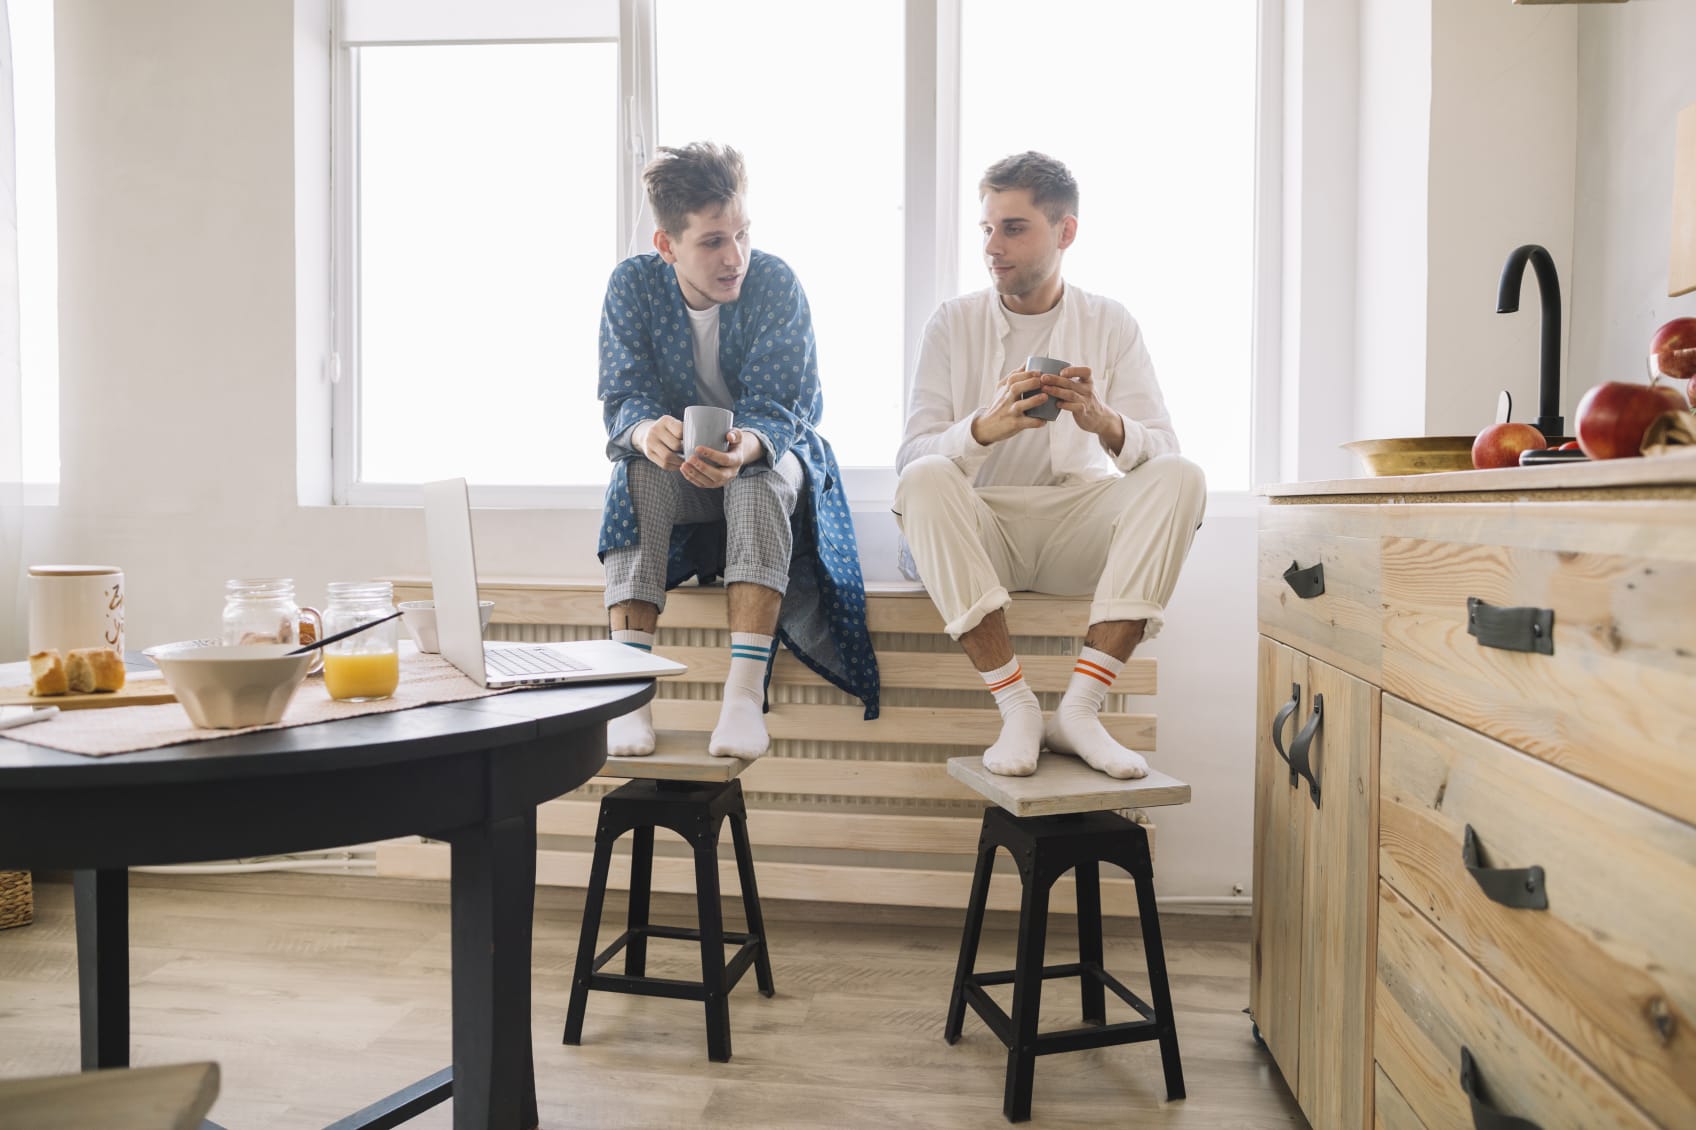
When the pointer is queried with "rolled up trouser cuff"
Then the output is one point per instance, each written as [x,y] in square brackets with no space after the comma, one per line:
[994,600]
[1109,611]
[775,579]
[625,580]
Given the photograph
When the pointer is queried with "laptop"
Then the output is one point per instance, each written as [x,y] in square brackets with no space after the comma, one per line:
[453,575]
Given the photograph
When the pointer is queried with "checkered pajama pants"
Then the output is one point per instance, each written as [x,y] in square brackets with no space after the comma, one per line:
[756,507]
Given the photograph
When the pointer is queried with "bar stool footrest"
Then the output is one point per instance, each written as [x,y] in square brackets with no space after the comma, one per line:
[748,949]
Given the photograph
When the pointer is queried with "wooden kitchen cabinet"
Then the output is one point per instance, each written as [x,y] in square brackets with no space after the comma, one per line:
[1507,665]
[1311,974]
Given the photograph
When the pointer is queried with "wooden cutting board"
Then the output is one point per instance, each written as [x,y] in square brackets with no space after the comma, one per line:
[140,692]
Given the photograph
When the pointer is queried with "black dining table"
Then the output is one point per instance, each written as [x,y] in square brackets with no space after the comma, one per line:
[470,773]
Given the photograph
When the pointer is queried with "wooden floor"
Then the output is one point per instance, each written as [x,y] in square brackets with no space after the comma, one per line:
[319,994]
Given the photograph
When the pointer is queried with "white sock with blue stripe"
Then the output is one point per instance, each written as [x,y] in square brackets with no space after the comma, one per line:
[632,735]
[741,729]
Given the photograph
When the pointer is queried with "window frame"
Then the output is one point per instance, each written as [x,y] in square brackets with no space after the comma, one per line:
[932,226]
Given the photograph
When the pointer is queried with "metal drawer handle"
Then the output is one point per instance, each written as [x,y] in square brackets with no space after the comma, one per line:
[1307,583]
[1283,716]
[1521,888]
[1299,761]
[1511,629]
[1485,1116]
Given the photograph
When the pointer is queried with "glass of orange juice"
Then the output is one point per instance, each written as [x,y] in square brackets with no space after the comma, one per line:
[364,667]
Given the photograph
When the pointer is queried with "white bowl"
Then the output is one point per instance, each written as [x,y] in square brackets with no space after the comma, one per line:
[225,687]
[419,616]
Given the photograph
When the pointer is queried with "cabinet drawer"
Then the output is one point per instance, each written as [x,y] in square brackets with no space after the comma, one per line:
[1433,1001]
[1615,701]
[1343,625]
[1609,963]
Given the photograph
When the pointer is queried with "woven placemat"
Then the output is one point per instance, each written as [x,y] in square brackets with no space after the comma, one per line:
[424,679]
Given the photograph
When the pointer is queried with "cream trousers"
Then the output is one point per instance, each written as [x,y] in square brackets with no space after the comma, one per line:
[1123,539]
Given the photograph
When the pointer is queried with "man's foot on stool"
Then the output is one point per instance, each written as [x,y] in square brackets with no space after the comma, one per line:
[1081,734]
[1015,752]
[631,735]
[741,730]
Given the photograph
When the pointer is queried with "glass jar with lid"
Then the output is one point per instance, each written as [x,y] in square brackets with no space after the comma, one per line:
[365,666]
[263,610]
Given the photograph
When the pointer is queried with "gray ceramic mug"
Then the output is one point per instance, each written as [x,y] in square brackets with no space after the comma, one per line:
[706,426]
[1050,408]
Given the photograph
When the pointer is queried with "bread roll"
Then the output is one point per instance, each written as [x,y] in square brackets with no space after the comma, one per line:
[47,674]
[94,669]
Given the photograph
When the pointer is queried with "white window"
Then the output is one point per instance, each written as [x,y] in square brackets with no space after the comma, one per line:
[31,27]
[487,181]
[1153,109]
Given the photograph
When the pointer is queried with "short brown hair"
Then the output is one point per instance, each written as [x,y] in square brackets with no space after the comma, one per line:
[1050,182]
[698,176]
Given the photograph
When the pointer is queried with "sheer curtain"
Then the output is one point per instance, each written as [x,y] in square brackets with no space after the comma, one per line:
[11,393]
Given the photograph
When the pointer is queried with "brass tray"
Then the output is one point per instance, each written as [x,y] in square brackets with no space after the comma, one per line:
[1414,455]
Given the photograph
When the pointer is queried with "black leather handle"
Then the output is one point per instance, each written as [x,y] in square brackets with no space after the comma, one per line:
[1278,721]
[1511,629]
[1518,887]
[1485,1116]
[1300,762]
[1307,583]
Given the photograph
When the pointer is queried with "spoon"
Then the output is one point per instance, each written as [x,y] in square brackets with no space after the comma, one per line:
[342,635]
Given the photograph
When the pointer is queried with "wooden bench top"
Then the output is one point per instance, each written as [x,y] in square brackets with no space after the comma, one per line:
[891,606]
[1065,784]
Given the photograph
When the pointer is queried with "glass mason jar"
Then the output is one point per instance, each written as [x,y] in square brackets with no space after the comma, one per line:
[365,666]
[264,611]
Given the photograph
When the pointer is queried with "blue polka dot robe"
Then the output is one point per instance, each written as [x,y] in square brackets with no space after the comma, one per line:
[769,362]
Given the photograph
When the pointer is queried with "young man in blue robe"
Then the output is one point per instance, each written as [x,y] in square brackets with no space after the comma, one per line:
[706,320]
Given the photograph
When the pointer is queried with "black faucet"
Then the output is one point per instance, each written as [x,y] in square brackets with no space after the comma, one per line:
[1549,420]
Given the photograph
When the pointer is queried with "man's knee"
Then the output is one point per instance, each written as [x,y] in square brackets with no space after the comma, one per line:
[766,490]
[926,478]
[1177,479]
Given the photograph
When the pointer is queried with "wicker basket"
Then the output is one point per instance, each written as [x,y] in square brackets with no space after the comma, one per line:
[17,901]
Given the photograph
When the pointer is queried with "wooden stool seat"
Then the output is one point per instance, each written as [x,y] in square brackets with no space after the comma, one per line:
[175,1097]
[692,794]
[1061,819]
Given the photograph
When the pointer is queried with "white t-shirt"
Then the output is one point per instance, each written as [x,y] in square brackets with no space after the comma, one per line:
[709,381]
[1022,459]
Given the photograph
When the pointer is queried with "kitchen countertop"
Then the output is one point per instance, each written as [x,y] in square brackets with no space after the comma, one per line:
[1666,476]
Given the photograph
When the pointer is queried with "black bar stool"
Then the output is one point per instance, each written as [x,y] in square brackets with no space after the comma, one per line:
[696,810]
[1058,820]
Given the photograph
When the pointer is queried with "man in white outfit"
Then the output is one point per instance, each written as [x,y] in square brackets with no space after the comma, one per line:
[992,498]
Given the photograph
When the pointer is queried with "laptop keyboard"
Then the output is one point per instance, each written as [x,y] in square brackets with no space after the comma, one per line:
[530,661]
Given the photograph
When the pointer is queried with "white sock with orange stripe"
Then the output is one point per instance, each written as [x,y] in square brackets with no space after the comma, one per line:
[1076,726]
[1015,752]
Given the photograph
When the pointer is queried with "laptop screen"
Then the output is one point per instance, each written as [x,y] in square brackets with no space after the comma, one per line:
[453,575]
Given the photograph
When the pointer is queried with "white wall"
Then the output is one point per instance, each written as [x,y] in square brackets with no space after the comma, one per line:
[1391,275]
[1503,147]
[178,173]
[1635,72]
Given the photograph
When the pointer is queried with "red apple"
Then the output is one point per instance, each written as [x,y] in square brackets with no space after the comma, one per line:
[1673,394]
[1672,353]
[1499,445]
[1570,445]
[1612,418]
